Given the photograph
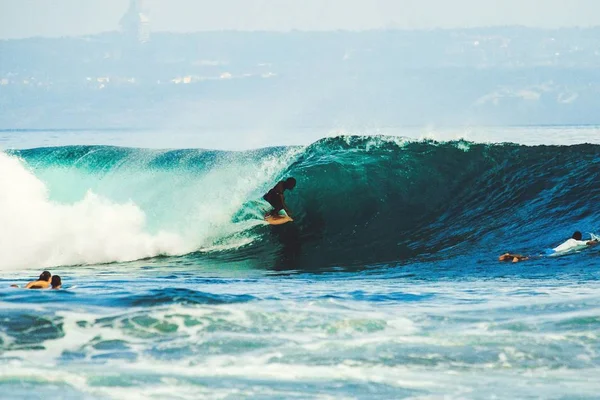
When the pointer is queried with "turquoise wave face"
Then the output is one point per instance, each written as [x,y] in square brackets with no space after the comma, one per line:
[359,200]
[369,200]
[387,277]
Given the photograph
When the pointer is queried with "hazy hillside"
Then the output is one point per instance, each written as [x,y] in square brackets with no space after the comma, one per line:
[301,79]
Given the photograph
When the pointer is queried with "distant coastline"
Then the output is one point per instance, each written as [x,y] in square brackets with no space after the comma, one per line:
[483,76]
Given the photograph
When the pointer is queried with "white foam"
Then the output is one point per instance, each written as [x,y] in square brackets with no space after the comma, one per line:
[38,232]
[323,344]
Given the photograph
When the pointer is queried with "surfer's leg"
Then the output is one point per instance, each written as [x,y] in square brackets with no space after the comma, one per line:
[274,212]
[277,207]
[270,201]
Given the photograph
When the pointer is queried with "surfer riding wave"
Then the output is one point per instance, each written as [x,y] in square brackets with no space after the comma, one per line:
[276,198]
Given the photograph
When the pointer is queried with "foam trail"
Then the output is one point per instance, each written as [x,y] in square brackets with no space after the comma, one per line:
[37,232]
[108,211]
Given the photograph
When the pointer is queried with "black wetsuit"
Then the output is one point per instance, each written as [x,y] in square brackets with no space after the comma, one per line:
[274,197]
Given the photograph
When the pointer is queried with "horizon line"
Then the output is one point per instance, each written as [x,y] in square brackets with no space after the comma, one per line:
[339,30]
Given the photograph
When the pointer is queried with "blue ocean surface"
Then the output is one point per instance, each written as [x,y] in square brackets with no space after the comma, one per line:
[387,285]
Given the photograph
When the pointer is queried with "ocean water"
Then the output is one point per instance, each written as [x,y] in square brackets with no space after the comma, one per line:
[386,285]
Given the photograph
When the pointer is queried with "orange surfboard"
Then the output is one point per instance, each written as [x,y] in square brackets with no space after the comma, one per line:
[278,220]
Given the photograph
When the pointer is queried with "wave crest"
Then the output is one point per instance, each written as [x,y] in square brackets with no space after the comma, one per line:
[359,200]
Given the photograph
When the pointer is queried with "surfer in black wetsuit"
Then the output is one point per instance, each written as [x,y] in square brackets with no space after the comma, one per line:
[276,198]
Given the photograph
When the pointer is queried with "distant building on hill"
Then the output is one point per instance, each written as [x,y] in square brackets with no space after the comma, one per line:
[135,24]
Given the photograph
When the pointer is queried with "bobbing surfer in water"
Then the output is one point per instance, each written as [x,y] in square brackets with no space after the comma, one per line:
[276,198]
[45,281]
[574,242]
[42,283]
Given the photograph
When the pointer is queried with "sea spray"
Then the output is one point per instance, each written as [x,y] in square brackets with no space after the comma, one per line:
[359,200]
[57,211]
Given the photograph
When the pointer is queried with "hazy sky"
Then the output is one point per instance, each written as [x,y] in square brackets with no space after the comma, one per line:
[23,18]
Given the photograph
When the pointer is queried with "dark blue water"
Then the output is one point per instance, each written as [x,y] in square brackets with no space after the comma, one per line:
[386,285]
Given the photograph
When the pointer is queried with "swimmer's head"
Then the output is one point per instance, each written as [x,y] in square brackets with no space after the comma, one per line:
[45,276]
[56,282]
[577,235]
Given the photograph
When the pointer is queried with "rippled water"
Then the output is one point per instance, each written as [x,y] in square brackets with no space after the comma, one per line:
[454,324]
[162,330]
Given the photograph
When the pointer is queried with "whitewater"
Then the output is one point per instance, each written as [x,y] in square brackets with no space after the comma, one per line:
[91,204]
[386,285]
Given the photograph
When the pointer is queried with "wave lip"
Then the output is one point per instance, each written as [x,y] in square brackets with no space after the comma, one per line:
[372,200]
[359,200]
[97,204]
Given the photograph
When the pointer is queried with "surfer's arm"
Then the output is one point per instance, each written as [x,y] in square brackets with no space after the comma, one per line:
[285,207]
[592,243]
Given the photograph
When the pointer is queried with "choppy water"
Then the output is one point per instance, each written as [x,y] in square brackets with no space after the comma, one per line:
[385,286]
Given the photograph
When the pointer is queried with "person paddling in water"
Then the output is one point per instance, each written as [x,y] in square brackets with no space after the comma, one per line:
[276,198]
[42,283]
[574,243]
[512,257]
